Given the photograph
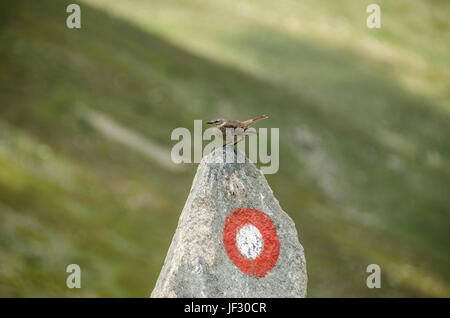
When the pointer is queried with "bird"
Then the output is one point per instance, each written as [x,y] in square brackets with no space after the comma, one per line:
[235,127]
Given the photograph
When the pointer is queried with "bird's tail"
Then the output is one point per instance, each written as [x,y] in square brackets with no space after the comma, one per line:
[250,122]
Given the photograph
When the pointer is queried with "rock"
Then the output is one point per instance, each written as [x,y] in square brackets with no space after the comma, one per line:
[233,239]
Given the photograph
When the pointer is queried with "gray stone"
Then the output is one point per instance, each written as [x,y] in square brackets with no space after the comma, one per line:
[197,263]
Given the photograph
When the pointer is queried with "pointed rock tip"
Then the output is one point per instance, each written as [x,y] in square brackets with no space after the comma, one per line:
[222,155]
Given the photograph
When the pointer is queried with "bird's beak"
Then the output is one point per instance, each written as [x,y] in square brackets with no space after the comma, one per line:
[210,122]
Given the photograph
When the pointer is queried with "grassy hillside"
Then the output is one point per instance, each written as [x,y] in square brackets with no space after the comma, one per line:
[86,117]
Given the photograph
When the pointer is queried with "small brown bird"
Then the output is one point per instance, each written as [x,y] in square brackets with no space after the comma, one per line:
[235,127]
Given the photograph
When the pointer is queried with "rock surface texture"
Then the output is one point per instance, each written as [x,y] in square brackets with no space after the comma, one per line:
[233,239]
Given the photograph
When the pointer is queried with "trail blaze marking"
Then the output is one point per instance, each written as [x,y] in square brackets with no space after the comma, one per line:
[251,241]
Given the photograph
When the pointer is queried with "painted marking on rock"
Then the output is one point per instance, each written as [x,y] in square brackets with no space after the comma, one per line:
[251,241]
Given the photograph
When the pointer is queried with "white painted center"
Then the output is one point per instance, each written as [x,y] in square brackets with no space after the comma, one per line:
[249,241]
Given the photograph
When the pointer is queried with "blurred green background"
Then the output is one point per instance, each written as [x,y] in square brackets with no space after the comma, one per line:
[86,117]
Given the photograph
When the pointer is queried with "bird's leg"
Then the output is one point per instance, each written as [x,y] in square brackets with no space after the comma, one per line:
[238,140]
[227,144]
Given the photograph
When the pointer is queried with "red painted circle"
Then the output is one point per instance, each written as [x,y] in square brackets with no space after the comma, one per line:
[265,261]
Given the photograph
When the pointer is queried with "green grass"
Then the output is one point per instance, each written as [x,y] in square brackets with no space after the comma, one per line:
[364,118]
